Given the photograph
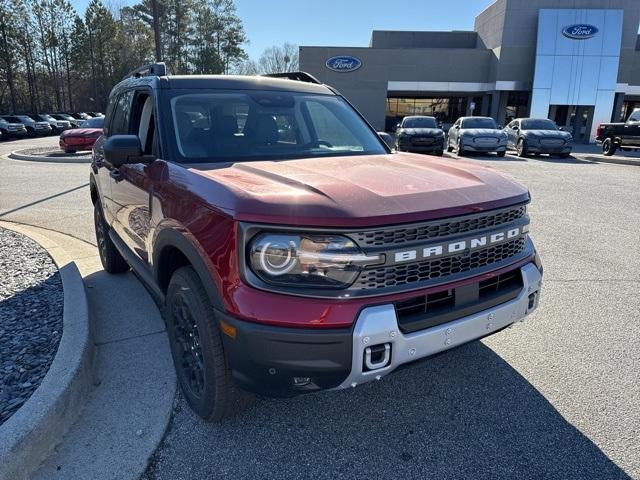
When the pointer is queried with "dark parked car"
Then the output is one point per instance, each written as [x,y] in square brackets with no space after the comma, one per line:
[82,138]
[290,263]
[57,126]
[419,134]
[624,136]
[34,128]
[538,135]
[74,122]
[477,134]
[12,129]
[96,114]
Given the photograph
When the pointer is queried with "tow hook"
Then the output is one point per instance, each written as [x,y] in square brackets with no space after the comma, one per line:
[377,356]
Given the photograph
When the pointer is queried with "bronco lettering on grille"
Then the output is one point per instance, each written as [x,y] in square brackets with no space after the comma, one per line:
[460,246]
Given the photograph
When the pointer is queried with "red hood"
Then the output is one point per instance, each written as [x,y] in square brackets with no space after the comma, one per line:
[82,132]
[356,190]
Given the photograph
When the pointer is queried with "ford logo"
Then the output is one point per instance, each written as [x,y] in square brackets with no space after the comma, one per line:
[343,63]
[580,31]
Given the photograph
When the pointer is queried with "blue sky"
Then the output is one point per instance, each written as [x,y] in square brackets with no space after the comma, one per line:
[340,22]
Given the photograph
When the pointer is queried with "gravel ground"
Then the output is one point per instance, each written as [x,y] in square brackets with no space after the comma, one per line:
[31,304]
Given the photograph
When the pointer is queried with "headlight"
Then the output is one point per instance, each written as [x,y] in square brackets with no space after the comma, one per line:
[312,261]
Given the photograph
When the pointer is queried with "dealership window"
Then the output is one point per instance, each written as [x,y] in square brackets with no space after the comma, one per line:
[446,110]
[517,106]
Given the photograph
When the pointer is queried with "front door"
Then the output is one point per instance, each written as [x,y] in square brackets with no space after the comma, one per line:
[132,185]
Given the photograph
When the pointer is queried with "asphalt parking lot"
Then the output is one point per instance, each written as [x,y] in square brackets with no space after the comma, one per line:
[557,396]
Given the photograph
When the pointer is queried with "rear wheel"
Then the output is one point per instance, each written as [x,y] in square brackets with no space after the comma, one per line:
[197,350]
[608,148]
[110,257]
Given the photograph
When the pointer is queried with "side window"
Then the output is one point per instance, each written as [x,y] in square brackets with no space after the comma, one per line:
[635,116]
[121,114]
[142,121]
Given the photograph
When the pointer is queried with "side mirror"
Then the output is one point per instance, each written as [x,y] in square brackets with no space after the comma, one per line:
[457,127]
[386,138]
[397,125]
[561,129]
[122,149]
[440,126]
[500,127]
[516,128]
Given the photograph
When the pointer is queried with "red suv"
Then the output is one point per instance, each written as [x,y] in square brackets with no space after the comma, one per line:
[290,250]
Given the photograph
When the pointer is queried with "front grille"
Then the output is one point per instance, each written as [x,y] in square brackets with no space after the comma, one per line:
[553,142]
[394,236]
[422,140]
[399,275]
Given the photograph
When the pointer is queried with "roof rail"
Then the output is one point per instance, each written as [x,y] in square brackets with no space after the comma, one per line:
[299,76]
[158,69]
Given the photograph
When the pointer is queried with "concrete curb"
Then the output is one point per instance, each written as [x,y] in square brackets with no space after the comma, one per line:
[619,161]
[16,155]
[31,434]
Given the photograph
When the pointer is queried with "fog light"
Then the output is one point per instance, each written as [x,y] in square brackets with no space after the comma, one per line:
[301,381]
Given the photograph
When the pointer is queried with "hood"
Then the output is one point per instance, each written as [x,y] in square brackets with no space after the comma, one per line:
[82,132]
[483,132]
[547,133]
[428,132]
[354,191]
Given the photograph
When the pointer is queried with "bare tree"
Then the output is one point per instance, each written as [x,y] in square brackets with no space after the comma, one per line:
[279,58]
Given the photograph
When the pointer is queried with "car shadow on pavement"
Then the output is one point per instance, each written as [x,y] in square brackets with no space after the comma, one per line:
[492,157]
[463,414]
[570,160]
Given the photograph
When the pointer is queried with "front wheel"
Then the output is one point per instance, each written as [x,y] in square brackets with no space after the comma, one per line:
[564,155]
[521,148]
[608,148]
[502,153]
[197,350]
[459,149]
[110,257]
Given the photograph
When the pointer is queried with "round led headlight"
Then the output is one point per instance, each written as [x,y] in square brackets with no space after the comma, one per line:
[307,261]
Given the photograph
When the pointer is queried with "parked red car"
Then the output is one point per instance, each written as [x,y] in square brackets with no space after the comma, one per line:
[82,138]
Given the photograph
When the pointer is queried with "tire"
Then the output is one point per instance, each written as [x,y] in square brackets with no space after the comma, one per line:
[521,148]
[564,155]
[449,147]
[459,149]
[501,154]
[608,147]
[110,257]
[66,150]
[197,350]
[438,153]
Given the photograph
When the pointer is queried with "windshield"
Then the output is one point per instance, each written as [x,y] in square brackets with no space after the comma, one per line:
[25,119]
[534,124]
[93,123]
[215,126]
[419,122]
[46,118]
[479,122]
[12,119]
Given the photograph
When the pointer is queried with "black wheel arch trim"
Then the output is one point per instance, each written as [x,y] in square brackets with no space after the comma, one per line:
[170,237]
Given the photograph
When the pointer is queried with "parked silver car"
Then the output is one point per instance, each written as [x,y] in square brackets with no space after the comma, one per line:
[476,134]
[538,135]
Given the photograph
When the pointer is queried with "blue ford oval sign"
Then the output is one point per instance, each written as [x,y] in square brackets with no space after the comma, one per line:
[580,31]
[343,63]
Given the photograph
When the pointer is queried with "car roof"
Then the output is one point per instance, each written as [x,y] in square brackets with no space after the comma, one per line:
[223,82]
[419,116]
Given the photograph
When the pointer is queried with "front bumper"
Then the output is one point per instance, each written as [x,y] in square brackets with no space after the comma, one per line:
[277,361]
[409,146]
[548,149]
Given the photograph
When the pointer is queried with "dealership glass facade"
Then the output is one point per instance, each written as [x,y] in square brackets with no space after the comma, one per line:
[446,110]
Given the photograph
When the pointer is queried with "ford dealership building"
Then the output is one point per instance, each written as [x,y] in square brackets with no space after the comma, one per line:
[574,61]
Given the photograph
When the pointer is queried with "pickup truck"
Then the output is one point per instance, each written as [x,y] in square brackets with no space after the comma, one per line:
[624,136]
[289,249]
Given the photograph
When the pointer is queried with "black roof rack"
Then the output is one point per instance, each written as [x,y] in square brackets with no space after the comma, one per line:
[299,76]
[157,69]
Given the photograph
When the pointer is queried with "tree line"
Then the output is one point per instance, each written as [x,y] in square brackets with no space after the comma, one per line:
[53,59]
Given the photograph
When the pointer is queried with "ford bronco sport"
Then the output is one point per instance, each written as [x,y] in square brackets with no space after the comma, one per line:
[290,249]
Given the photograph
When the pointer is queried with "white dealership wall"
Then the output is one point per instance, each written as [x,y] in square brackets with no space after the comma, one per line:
[577,72]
